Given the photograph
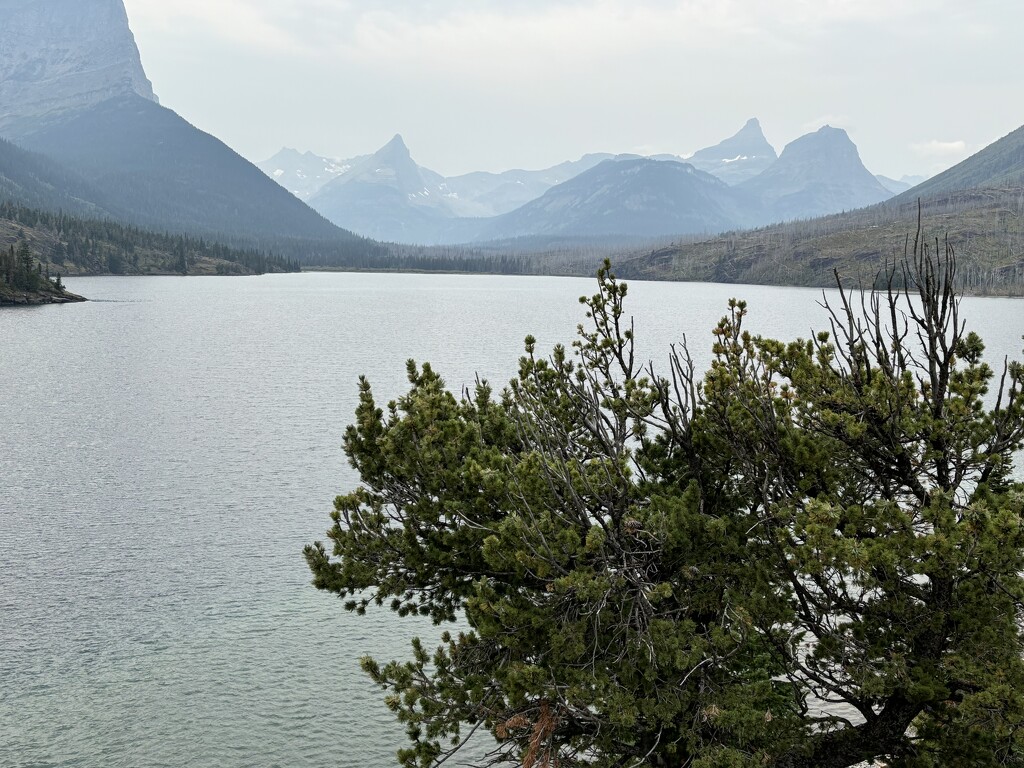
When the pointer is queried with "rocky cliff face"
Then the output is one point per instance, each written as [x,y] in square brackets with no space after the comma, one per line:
[58,56]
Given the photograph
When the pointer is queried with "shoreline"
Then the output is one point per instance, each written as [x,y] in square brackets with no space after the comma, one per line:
[12,298]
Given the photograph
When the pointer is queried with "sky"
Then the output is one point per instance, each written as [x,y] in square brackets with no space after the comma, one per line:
[495,84]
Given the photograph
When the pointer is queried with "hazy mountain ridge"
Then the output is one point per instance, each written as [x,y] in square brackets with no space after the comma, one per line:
[107,148]
[477,194]
[164,172]
[388,196]
[817,174]
[972,203]
[640,197]
[304,173]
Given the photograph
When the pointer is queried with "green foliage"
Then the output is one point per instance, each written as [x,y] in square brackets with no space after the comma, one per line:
[19,269]
[101,246]
[672,571]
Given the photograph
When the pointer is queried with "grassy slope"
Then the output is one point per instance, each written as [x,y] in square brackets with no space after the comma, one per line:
[985,226]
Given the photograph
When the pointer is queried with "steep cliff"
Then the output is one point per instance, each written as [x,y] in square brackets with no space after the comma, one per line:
[59,56]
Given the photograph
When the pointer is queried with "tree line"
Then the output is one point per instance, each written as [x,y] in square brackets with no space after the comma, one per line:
[97,245]
[21,271]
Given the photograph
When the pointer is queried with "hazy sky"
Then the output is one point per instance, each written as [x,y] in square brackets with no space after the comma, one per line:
[496,84]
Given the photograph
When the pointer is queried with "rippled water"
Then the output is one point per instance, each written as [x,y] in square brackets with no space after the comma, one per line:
[167,449]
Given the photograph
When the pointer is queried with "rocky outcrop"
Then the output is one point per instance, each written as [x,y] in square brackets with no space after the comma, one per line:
[12,298]
[59,56]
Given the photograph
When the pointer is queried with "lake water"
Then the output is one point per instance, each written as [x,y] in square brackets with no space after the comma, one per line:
[167,449]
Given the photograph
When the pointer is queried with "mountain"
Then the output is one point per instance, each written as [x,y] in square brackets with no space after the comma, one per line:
[816,174]
[638,197]
[37,181]
[304,173]
[1000,164]
[84,102]
[478,194]
[983,220]
[387,196]
[490,194]
[902,184]
[165,173]
[738,158]
[985,226]
[893,185]
[58,56]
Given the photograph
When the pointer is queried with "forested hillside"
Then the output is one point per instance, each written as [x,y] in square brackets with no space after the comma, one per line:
[39,182]
[985,226]
[69,245]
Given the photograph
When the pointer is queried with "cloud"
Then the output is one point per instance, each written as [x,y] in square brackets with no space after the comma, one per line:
[940,149]
[518,41]
[243,23]
[487,38]
[472,35]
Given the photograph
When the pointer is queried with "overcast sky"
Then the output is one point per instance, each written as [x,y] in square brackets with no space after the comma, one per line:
[497,84]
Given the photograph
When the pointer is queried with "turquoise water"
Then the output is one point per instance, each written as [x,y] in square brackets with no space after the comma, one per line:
[167,449]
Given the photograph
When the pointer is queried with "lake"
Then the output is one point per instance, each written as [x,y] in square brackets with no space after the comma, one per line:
[168,448]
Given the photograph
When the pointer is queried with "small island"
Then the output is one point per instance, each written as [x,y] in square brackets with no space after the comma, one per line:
[24,282]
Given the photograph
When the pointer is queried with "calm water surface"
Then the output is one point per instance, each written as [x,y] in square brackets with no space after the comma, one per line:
[167,449]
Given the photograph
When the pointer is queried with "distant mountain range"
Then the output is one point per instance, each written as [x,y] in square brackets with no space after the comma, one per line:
[638,197]
[978,204]
[737,183]
[304,173]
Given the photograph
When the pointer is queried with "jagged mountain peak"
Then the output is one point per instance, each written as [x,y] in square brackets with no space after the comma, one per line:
[386,195]
[394,163]
[60,56]
[740,157]
[751,128]
[304,173]
[395,151]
